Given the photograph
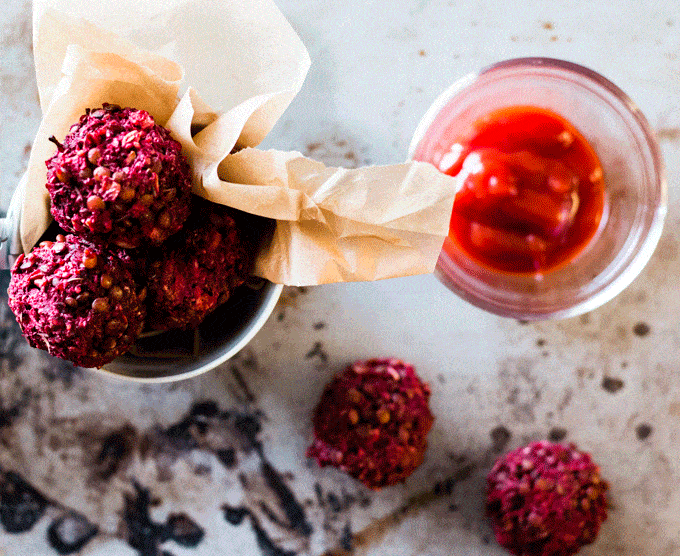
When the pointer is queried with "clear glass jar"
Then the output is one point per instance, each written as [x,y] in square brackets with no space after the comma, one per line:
[635,186]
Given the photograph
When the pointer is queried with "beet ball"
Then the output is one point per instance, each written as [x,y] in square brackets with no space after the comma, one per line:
[76,300]
[119,177]
[546,500]
[196,270]
[372,422]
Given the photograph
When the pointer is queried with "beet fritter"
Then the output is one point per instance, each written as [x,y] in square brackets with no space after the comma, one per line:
[76,300]
[197,269]
[119,177]
[372,422]
[546,499]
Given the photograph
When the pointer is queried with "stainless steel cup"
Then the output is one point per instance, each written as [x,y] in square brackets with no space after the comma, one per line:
[173,355]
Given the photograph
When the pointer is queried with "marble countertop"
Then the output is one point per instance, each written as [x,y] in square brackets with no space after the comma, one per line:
[215,465]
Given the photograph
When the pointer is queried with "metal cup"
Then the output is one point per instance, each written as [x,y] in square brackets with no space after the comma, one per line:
[176,354]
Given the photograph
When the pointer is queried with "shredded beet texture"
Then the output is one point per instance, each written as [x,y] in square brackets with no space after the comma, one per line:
[546,500]
[372,422]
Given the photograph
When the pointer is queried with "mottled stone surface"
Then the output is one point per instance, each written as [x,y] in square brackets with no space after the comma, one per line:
[216,465]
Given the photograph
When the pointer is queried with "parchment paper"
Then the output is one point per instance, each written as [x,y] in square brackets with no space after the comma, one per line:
[332,224]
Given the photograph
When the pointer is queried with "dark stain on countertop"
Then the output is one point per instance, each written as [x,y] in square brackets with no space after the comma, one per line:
[337,147]
[583,374]
[566,398]
[232,436]
[226,433]
[243,386]
[146,536]
[227,457]
[10,410]
[292,509]
[668,134]
[520,388]
[58,370]
[112,452]
[447,485]
[208,428]
[336,507]
[11,340]
[347,538]
[643,431]
[336,152]
[557,434]
[612,384]
[500,436]
[236,516]
[641,329]
[318,353]
[184,531]
[21,505]
[70,532]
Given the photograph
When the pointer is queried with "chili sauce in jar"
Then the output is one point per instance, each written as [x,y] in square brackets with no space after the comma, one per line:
[532,192]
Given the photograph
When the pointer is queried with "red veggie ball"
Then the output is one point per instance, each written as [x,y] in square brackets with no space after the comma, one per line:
[119,177]
[77,301]
[372,422]
[546,500]
[197,269]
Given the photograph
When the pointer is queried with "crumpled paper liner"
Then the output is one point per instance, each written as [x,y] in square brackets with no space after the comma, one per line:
[332,224]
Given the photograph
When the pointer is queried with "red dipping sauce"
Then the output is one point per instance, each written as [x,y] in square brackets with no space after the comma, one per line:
[533,190]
